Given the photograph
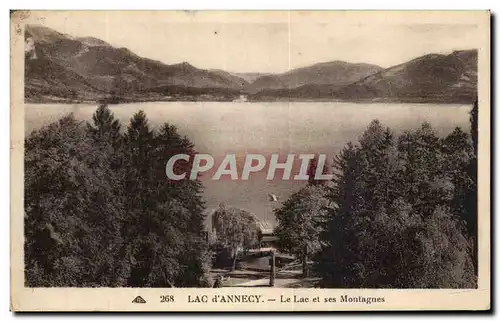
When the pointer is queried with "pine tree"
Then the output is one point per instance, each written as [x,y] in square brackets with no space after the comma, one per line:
[339,243]
[184,195]
[311,171]
[165,218]
[104,126]
[168,142]
[151,239]
[138,162]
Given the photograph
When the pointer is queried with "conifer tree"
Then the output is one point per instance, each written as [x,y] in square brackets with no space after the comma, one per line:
[183,206]
[165,219]
[104,126]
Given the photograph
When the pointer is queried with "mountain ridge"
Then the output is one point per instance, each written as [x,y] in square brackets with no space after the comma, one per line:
[432,77]
[335,73]
[61,67]
[105,71]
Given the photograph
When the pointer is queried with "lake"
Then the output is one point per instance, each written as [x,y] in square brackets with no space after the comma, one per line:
[218,128]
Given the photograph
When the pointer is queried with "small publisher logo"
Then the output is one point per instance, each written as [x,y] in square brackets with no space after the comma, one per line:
[139,299]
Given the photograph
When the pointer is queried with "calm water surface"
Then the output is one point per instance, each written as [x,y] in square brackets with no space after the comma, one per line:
[218,128]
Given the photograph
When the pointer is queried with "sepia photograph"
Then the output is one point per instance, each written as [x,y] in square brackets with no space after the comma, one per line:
[265,150]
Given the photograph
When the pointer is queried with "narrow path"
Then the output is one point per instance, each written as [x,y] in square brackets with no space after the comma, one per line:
[284,279]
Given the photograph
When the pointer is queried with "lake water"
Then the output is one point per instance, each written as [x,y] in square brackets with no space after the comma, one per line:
[218,128]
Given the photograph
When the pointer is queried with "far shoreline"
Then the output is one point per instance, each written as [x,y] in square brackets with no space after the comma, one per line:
[366,101]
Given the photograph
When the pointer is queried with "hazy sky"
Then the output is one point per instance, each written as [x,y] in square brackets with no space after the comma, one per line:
[273,43]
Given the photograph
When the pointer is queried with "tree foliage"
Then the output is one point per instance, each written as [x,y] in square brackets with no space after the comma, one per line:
[398,217]
[236,230]
[300,222]
[71,212]
[471,193]
[99,210]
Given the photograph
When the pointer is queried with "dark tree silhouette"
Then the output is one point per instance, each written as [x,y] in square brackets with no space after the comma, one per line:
[100,212]
[396,222]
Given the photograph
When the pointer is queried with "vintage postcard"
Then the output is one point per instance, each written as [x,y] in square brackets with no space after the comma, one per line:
[250,160]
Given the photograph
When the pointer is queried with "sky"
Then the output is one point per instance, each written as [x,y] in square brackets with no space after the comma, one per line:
[272,42]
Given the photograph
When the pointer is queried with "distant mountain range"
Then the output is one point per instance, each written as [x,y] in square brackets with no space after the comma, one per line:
[59,67]
[335,74]
[428,78]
